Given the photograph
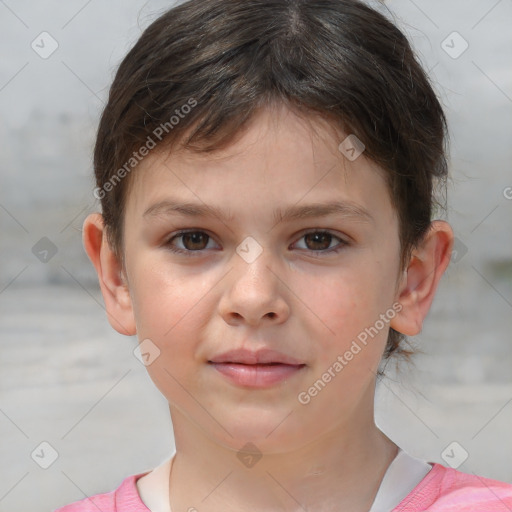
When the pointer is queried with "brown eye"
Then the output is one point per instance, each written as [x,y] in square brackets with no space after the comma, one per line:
[321,242]
[195,240]
[191,241]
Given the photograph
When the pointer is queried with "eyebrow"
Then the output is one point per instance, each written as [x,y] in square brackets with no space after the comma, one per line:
[347,209]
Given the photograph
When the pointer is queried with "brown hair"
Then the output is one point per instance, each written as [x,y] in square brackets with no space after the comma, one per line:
[224,59]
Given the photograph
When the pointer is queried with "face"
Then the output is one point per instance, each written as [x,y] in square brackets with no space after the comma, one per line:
[290,256]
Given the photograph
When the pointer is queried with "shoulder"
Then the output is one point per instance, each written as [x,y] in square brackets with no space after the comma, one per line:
[123,499]
[446,489]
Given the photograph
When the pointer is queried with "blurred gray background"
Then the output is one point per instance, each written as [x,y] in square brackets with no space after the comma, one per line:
[68,379]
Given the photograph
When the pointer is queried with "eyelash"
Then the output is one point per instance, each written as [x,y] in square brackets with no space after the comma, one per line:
[336,249]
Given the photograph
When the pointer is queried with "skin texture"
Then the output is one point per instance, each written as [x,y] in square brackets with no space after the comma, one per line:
[294,297]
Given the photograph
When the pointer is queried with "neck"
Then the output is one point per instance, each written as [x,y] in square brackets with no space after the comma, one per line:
[341,470]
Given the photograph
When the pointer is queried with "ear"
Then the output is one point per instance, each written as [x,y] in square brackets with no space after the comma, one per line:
[419,282]
[112,281]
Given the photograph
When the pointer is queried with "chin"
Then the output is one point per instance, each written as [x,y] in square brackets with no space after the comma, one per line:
[267,432]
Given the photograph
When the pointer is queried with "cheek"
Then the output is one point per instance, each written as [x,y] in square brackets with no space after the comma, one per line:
[167,303]
[351,301]
[170,310]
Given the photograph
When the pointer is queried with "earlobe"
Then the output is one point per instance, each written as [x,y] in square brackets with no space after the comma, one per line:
[113,286]
[419,283]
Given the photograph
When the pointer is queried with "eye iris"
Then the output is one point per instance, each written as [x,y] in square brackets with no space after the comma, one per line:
[319,236]
[194,237]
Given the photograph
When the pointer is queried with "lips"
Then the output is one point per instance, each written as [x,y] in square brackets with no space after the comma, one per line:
[259,369]
[259,357]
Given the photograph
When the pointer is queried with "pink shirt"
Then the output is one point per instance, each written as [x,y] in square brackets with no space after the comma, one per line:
[443,489]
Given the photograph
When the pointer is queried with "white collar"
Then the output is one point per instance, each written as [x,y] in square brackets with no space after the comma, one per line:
[403,474]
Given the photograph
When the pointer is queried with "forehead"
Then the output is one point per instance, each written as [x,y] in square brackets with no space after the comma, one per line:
[279,158]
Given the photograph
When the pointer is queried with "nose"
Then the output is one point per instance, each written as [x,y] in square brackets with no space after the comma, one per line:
[255,293]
